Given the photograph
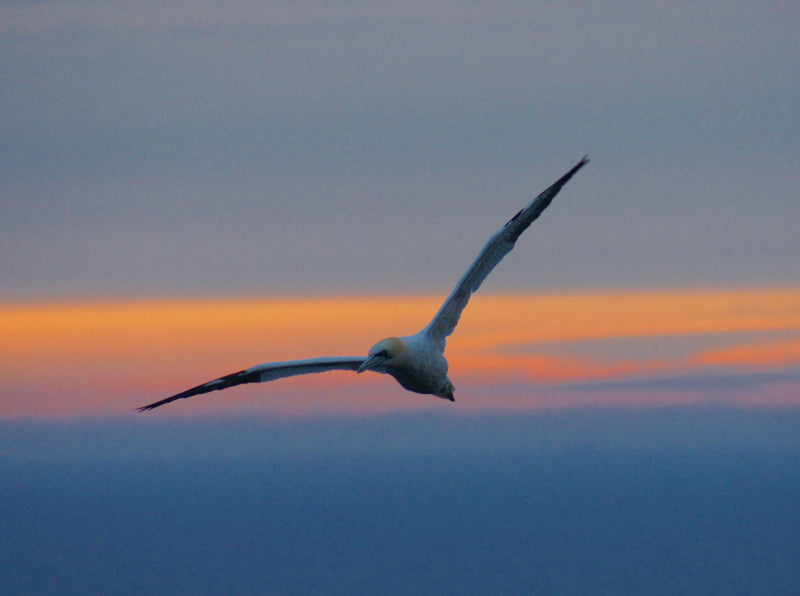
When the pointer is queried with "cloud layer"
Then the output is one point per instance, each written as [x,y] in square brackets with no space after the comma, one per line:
[183,149]
[509,351]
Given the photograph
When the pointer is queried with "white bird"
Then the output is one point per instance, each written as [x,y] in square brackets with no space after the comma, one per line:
[417,361]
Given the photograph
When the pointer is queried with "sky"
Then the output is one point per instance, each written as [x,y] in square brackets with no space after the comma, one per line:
[186,151]
[192,149]
[563,502]
[192,188]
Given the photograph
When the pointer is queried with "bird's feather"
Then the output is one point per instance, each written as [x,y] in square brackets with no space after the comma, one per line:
[499,245]
[265,372]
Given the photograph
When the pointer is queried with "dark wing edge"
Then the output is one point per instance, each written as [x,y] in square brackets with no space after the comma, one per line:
[263,373]
[498,246]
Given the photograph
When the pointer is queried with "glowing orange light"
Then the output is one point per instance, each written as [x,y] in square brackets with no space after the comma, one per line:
[72,358]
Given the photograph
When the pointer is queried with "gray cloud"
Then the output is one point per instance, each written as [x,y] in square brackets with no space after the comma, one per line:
[185,149]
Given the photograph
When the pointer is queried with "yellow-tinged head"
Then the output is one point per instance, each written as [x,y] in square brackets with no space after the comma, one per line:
[388,352]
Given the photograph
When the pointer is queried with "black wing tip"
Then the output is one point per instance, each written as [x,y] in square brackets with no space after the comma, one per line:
[584,160]
[171,398]
[165,401]
[237,378]
[154,405]
[558,184]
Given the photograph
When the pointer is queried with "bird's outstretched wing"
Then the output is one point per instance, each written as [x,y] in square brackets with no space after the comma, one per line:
[265,372]
[498,246]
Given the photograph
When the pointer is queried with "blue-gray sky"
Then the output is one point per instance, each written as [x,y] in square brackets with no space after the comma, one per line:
[652,502]
[193,148]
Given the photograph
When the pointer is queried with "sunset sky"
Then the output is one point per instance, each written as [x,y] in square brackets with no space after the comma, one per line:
[189,189]
[510,351]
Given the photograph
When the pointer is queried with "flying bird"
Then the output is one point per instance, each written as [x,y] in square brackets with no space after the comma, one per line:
[416,361]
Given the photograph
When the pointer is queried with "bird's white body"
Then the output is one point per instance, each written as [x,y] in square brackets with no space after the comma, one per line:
[416,361]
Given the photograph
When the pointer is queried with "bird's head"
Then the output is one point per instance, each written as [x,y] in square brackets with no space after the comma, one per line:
[388,352]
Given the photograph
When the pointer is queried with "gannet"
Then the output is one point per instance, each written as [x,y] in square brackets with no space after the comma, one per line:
[416,361]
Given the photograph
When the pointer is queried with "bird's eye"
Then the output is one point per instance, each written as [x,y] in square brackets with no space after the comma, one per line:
[383,354]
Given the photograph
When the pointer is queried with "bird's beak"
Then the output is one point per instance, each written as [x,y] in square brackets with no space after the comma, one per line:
[371,362]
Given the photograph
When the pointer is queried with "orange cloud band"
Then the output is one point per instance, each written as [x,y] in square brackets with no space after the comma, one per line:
[106,357]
